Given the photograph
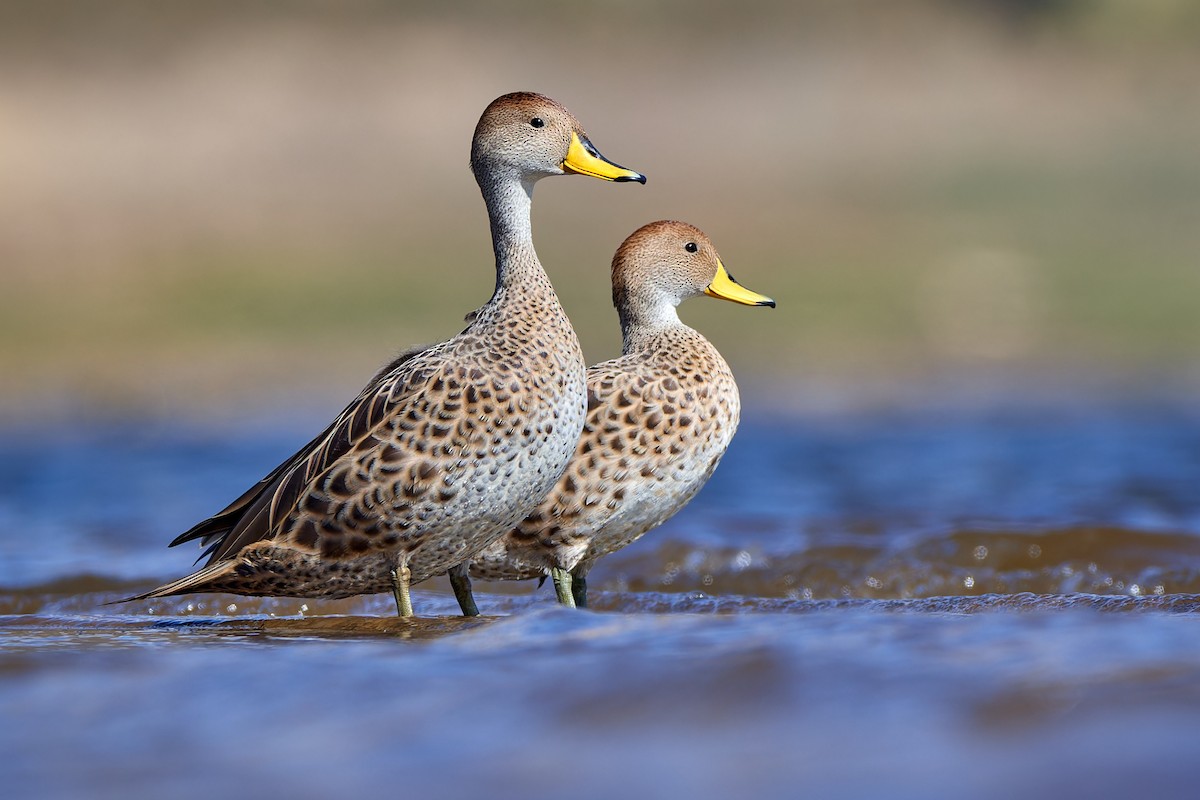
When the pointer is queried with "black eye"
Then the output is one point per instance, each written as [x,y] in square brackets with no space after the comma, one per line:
[691,247]
[536,122]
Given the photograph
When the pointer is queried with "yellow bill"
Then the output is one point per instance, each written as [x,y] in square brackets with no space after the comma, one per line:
[726,288]
[584,159]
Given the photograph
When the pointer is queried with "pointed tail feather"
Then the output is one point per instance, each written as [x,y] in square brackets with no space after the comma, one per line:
[196,582]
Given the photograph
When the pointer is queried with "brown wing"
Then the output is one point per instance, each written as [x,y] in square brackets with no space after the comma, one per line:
[255,515]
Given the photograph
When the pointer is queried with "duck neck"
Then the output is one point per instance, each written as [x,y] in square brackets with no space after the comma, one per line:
[642,321]
[508,203]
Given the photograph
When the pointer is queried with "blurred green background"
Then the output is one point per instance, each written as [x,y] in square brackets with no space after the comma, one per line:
[221,207]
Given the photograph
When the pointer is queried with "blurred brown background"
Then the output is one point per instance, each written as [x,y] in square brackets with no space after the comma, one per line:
[219,207]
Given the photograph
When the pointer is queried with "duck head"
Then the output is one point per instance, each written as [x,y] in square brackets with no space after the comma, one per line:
[529,136]
[664,263]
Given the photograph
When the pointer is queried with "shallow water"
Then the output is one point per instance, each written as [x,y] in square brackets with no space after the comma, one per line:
[904,604]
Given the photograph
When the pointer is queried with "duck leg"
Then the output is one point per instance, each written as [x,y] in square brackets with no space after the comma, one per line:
[460,581]
[562,586]
[401,577]
[579,590]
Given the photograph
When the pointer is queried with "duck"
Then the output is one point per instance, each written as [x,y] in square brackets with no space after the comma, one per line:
[659,419]
[448,446]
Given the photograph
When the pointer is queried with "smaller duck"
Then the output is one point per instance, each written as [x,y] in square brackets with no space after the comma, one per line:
[659,419]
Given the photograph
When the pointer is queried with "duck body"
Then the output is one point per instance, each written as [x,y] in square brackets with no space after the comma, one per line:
[660,417]
[448,446]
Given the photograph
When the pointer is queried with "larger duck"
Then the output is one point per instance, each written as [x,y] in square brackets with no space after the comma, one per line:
[447,447]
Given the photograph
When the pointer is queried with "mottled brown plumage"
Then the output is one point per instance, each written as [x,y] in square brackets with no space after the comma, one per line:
[448,446]
[659,417]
